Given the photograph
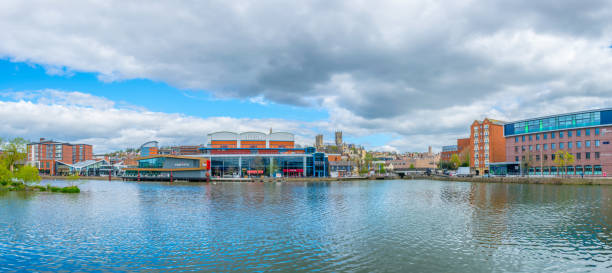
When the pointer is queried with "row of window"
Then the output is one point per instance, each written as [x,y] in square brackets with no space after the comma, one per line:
[570,170]
[570,145]
[577,156]
[559,122]
[560,134]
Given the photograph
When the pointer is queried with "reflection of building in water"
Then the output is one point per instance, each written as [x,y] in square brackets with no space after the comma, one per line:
[489,212]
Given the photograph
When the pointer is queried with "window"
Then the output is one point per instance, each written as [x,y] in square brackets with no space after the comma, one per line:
[545,147]
[597,169]
[523,148]
[552,146]
[579,170]
[538,137]
[516,149]
[596,143]
[606,142]
[523,157]
[588,169]
[545,157]
[560,145]
[578,156]
[486,126]
[530,147]
[587,132]
[552,157]
[515,139]
[537,157]
[552,135]
[569,133]
[530,137]
[578,144]
[516,158]
[578,132]
[523,138]
[596,155]
[537,147]
[560,134]
[587,143]
[596,131]
[587,155]
[545,135]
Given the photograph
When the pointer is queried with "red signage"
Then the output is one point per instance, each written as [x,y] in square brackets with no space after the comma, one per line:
[293,170]
[255,172]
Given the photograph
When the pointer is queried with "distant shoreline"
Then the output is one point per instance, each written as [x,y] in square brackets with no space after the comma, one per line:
[509,180]
[521,180]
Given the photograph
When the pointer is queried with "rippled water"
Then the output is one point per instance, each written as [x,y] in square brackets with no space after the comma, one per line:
[374,226]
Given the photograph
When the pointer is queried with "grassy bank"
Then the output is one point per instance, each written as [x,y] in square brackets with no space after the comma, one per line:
[522,180]
[18,186]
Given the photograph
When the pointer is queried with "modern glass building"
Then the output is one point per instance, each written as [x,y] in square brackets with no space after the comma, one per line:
[232,163]
[533,144]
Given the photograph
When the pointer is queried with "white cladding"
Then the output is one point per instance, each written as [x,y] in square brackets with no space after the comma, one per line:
[223,136]
[281,136]
[252,136]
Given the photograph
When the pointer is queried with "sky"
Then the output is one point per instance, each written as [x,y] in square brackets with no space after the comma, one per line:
[391,75]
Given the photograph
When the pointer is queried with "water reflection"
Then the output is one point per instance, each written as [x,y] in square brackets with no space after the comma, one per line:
[372,226]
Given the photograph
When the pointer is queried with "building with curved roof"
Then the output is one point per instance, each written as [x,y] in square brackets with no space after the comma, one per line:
[257,140]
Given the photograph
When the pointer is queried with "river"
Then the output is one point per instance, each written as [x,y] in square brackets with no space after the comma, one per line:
[363,226]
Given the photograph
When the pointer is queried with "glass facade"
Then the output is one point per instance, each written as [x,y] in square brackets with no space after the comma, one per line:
[576,120]
[151,163]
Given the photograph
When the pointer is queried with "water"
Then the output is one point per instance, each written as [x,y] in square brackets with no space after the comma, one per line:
[368,226]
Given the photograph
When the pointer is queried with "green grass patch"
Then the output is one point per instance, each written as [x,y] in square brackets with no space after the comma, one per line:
[71,189]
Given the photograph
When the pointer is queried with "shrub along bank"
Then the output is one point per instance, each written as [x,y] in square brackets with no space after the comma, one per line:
[14,177]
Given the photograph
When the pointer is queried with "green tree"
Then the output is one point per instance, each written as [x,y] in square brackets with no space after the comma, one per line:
[411,166]
[465,159]
[6,176]
[27,175]
[14,151]
[563,159]
[527,162]
[455,161]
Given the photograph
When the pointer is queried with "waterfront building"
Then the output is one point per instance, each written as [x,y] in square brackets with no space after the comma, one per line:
[46,154]
[149,148]
[233,163]
[251,140]
[186,150]
[487,138]
[531,144]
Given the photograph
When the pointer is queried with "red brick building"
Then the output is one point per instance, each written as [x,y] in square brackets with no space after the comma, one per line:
[489,144]
[45,153]
[463,146]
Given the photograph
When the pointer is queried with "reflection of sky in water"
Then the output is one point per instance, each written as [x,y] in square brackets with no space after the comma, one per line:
[372,226]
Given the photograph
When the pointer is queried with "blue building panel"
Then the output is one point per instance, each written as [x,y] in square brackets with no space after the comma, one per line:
[559,122]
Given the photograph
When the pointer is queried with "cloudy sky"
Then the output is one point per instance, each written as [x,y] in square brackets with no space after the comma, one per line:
[392,75]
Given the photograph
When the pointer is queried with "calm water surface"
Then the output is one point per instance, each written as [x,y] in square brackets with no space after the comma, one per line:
[377,226]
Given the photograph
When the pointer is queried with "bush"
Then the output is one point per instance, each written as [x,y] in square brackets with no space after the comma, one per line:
[40,188]
[53,189]
[71,189]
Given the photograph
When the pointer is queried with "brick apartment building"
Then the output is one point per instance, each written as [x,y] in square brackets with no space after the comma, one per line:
[531,144]
[45,153]
[489,144]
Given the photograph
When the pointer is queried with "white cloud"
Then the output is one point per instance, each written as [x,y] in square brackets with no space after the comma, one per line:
[52,114]
[418,70]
